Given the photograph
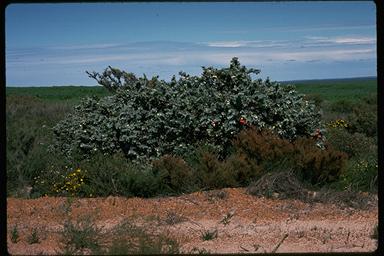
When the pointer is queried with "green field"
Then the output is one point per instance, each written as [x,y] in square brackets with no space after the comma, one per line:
[330,89]
[338,89]
[58,93]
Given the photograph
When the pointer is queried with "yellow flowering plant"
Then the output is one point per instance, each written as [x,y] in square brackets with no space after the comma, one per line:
[338,123]
[55,182]
[70,183]
[361,175]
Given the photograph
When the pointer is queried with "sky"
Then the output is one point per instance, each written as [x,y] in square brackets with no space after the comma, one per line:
[55,44]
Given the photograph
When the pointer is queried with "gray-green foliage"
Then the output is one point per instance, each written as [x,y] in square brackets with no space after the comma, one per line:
[149,118]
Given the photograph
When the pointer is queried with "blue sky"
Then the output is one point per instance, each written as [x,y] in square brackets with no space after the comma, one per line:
[54,44]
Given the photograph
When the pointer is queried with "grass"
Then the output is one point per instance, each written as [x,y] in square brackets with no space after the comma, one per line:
[80,235]
[173,218]
[375,234]
[129,238]
[209,235]
[83,236]
[335,90]
[15,234]
[70,94]
[33,238]
[329,89]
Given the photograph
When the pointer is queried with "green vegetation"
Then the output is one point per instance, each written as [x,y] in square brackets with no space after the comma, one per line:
[347,160]
[68,94]
[33,238]
[132,239]
[209,235]
[80,235]
[328,90]
[15,234]
[375,234]
[338,89]
[83,237]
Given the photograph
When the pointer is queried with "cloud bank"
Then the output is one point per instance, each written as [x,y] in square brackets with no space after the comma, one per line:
[167,58]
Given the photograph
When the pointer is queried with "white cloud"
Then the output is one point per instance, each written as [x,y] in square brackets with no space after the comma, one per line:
[325,28]
[230,44]
[343,40]
[243,43]
[84,46]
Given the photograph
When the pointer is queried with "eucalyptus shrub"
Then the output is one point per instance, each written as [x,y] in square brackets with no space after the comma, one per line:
[148,118]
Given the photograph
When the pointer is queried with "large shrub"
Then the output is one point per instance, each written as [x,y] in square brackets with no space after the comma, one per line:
[150,118]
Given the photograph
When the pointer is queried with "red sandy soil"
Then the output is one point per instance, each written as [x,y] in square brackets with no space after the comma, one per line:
[258,224]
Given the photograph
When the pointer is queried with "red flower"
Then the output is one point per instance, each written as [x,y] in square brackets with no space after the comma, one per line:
[318,134]
[243,121]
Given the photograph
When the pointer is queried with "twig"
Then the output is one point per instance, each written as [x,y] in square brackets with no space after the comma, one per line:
[189,200]
[244,248]
[349,233]
[194,222]
[278,245]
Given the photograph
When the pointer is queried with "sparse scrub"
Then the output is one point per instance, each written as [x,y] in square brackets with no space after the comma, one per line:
[216,195]
[209,234]
[199,251]
[173,218]
[128,238]
[227,218]
[375,234]
[15,234]
[80,235]
[33,238]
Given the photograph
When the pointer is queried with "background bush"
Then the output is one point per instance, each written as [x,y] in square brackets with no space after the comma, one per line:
[269,152]
[361,175]
[318,166]
[356,145]
[28,136]
[363,119]
[174,175]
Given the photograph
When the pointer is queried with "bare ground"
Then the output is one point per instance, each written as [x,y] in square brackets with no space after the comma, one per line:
[244,223]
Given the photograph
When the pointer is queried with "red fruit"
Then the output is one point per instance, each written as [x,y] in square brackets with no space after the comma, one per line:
[243,121]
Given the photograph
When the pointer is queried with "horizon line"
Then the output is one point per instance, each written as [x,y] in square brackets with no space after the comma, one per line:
[281,81]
